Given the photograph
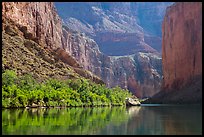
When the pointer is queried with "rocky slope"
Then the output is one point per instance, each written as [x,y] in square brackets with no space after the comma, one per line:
[31,43]
[182,54]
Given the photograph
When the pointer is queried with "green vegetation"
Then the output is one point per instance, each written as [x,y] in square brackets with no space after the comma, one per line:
[22,91]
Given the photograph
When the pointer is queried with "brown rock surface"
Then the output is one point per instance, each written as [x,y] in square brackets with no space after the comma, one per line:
[40,19]
[182,43]
[181,54]
[119,44]
[66,58]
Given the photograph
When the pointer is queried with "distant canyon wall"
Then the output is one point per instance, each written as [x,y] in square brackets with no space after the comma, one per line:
[140,73]
[114,31]
[117,25]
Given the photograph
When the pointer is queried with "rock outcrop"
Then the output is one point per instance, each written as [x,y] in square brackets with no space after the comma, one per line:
[40,19]
[182,54]
[182,43]
[121,44]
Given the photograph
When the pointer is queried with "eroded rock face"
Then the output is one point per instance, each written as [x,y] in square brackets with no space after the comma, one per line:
[66,58]
[182,44]
[120,44]
[117,25]
[181,55]
[140,73]
[32,42]
[39,18]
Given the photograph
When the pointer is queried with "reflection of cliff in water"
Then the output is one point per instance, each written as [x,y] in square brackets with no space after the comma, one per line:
[167,120]
[159,120]
[174,118]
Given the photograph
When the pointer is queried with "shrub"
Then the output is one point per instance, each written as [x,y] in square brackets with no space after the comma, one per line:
[8,77]
[25,90]
[27,82]
[6,102]
[22,100]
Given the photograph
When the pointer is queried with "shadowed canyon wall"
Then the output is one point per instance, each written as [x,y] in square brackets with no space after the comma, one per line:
[119,28]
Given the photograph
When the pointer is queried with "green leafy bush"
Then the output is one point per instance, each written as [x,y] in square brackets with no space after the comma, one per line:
[8,77]
[25,91]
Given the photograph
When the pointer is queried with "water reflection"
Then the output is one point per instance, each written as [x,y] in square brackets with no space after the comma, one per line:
[60,121]
[160,120]
[179,119]
[133,111]
[104,120]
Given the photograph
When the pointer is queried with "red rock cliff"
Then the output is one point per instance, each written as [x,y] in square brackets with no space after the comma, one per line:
[181,55]
[182,43]
[40,18]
